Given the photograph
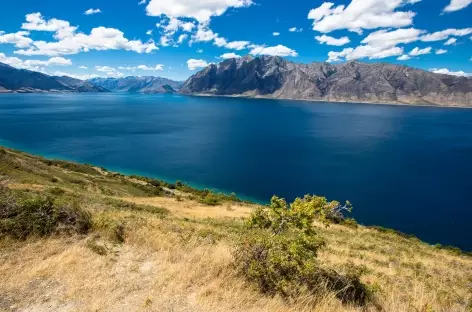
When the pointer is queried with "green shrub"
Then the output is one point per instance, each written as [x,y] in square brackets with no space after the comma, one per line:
[210,199]
[279,247]
[71,166]
[57,191]
[38,215]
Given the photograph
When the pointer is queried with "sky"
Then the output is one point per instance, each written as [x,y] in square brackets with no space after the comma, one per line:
[176,38]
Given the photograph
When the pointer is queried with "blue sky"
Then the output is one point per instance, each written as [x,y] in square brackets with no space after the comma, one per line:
[175,38]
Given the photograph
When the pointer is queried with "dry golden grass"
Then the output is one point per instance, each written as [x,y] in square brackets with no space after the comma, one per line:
[182,262]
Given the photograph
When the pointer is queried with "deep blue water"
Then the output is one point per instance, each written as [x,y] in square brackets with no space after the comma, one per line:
[408,168]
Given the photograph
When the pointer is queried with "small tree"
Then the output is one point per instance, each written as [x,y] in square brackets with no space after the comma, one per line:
[279,249]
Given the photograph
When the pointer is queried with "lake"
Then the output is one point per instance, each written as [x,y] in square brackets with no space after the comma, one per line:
[407,168]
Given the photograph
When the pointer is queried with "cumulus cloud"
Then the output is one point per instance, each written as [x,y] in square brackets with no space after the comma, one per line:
[70,42]
[404,57]
[450,41]
[194,64]
[457,5]
[201,10]
[205,34]
[109,71]
[36,65]
[366,51]
[83,67]
[182,38]
[80,77]
[445,34]
[441,51]
[278,50]
[448,72]
[237,45]
[158,67]
[417,51]
[361,14]
[61,28]
[20,39]
[332,41]
[149,32]
[92,11]
[295,29]
[392,38]
[229,55]
[379,44]
[275,34]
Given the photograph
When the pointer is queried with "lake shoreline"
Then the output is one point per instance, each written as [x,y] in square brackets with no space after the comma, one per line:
[258,97]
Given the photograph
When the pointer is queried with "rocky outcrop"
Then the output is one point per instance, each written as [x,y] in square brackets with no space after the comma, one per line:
[275,77]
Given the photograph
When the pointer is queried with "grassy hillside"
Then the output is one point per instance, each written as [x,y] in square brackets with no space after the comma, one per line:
[79,238]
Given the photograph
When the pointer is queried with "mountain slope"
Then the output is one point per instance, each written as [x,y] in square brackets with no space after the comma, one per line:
[22,80]
[147,84]
[275,77]
[80,85]
[142,234]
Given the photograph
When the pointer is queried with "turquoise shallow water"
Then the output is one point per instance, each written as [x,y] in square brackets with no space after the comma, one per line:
[407,168]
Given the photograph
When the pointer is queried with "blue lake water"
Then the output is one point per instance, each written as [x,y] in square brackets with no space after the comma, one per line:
[408,168]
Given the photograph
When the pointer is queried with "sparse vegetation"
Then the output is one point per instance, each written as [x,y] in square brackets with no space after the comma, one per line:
[137,236]
[38,215]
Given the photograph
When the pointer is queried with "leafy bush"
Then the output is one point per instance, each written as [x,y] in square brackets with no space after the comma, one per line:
[39,216]
[279,248]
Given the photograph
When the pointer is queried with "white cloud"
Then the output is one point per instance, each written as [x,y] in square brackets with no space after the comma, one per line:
[457,5]
[230,56]
[53,61]
[83,67]
[278,50]
[182,38]
[92,11]
[142,2]
[448,72]
[417,51]
[158,67]
[149,32]
[205,34]
[361,14]
[441,51]
[237,45]
[19,39]
[387,38]
[366,51]
[70,42]
[444,34]
[201,10]
[404,57]
[379,44]
[80,77]
[332,41]
[194,64]
[36,22]
[200,51]
[109,71]
[36,65]
[450,41]
[295,29]
[275,34]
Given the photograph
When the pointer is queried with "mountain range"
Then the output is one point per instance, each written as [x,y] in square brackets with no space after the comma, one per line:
[146,84]
[26,81]
[275,77]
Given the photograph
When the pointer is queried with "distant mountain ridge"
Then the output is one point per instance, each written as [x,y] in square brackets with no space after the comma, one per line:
[26,81]
[146,84]
[275,77]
